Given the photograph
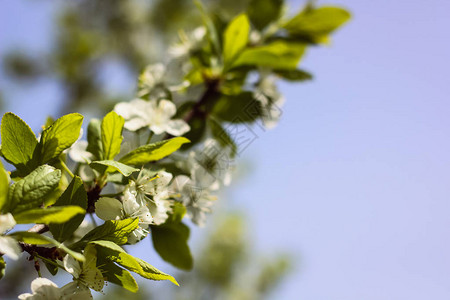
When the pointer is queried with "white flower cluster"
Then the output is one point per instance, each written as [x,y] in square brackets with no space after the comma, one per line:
[146,198]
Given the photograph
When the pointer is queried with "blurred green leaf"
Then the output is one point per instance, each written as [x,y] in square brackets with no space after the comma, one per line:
[264,12]
[279,54]
[235,38]
[241,108]
[316,24]
[294,75]
[94,137]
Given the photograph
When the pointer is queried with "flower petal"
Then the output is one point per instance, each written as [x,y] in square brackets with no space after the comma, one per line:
[10,247]
[7,222]
[177,127]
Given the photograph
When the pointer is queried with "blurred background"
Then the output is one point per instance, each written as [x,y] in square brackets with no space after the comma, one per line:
[346,199]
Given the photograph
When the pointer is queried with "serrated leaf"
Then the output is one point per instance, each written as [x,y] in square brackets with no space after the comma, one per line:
[50,215]
[30,192]
[112,127]
[170,241]
[315,24]
[115,253]
[4,186]
[264,12]
[115,231]
[59,136]
[39,239]
[235,38]
[75,194]
[18,142]
[280,54]
[94,138]
[152,152]
[110,166]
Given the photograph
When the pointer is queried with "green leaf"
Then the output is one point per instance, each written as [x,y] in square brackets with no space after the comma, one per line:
[51,268]
[4,186]
[152,152]
[112,127]
[241,108]
[50,215]
[94,137]
[198,129]
[280,54]
[222,136]
[115,231]
[39,239]
[75,194]
[59,136]
[110,166]
[294,75]
[115,253]
[115,274]
[235,38]
[18,142]
[31,191]
[264,12]
[316,24]
[170,241]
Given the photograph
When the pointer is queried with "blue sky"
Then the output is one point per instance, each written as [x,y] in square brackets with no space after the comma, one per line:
[355,179]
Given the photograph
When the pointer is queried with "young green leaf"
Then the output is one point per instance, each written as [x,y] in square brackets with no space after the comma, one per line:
[264,12]
[152,152]
[18,142]
[112,127]
[94,137]
[279,54]
[115,231]
[110,166]
[115,253]
[235,38]
[316,24]
[59,136]
[75,194]
[2,267]
[51,215]
[39,239]
[31,191]
[4,186]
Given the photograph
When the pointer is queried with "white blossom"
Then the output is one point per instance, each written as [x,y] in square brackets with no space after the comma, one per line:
[197,200]
[154,114]
[8,245]
[113,209]
[45,289]
[86,274]
[271,101]
[154,191]
[188,42]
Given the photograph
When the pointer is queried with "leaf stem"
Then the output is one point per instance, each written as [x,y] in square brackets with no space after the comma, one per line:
[65,168]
